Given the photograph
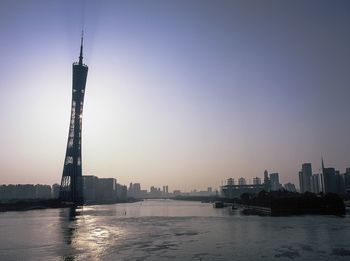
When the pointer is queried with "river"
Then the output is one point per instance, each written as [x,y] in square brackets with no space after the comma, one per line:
[169,230]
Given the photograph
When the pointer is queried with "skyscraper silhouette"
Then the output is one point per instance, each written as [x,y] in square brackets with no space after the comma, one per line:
[305,177]
[71,183]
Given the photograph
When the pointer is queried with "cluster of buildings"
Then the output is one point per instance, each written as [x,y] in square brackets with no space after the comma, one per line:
[94,189]
[270,182]
[103,190]
[196,193]
[29,191]
[108,190]
[329,180]
[135,191]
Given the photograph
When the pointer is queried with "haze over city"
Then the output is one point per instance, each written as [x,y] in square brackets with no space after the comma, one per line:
[183,93]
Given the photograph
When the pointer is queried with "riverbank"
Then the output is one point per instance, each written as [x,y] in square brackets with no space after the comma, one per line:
[33,204]
[282,203]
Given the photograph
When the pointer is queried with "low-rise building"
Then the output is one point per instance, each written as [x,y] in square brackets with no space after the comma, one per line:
[42,191]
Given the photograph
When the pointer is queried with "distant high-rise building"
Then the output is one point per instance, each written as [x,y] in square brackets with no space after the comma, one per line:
[347,180]
[304,177]
[177,193]
[155,192]
[90,187]
[135,190]
[121,192]
[43,191]
[315,183]
[107,189]
[71,182]
[103,189]
[165,191]
[301,184]
[267,183]
[27,191]
[339,182]
[231,181]
[242,181]
[290,187]
[256,181]
[329,179]
[274,181]
[55,190]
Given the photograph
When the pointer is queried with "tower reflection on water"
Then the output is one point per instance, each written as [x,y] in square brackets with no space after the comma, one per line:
[84,236]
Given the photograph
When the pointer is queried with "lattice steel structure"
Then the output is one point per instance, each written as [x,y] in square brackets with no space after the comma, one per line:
[71,183]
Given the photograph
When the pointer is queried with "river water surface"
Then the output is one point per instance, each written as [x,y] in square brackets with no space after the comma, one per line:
[168,229]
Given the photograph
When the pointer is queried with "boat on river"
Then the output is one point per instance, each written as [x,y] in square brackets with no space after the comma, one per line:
[218,204]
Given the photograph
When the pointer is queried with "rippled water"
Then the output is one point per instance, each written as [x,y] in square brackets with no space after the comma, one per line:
[167,229]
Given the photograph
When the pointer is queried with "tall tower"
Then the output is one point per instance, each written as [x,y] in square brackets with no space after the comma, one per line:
[71,183]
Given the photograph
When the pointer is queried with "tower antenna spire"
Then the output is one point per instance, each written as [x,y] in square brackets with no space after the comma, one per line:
[81,48]
[322,165]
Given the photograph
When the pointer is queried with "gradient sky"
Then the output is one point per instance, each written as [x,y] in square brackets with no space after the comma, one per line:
[184,93]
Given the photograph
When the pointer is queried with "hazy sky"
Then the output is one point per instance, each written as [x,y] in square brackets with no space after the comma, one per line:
[184,93]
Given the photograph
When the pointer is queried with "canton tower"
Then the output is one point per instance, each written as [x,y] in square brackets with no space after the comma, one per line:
[71,183]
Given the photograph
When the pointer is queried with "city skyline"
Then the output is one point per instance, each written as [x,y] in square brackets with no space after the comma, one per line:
[184,94]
